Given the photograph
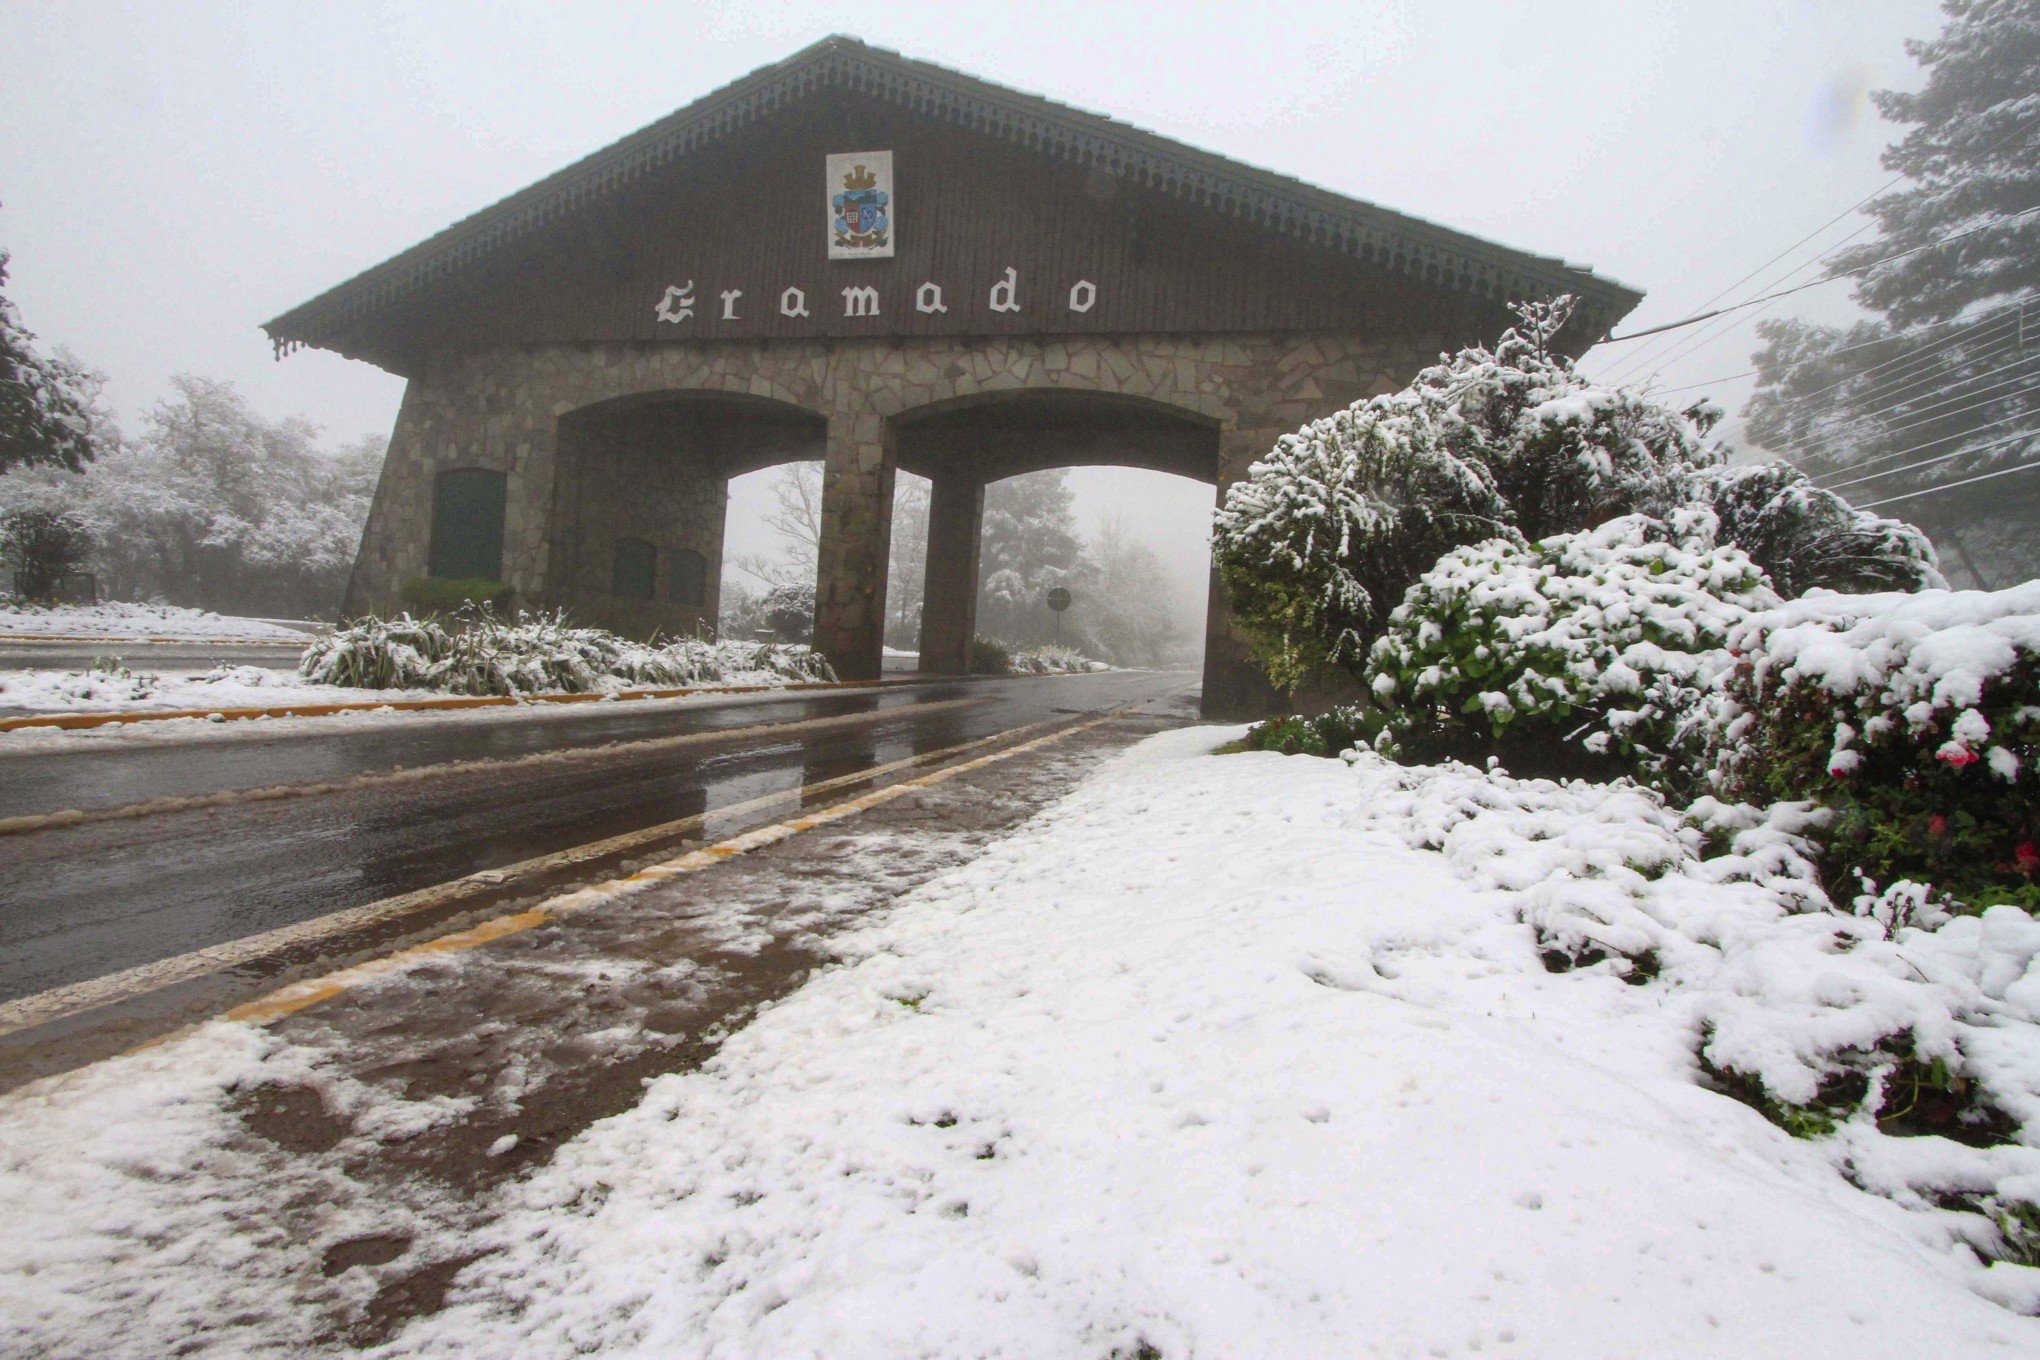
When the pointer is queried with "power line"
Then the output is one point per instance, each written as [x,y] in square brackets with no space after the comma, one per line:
[1929,462]
[1915,448]
[1844,213]
[1828,447]
[1923,374]
[1949,486]
[1902,365]
[1732,377]
[2003,317]
[1825,278]
[1650,352]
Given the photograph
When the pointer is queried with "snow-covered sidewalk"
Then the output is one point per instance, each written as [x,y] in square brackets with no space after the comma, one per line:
[1210,1061]
[1224,1056]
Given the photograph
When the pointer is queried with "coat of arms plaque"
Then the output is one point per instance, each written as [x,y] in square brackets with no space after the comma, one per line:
[861,209]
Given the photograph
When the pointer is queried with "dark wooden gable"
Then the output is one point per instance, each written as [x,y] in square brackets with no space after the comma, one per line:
[1154,247]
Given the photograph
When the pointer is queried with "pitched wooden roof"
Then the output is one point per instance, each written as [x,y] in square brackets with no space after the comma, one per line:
[1278,203]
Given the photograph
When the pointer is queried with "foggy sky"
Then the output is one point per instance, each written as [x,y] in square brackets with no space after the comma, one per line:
[172,175]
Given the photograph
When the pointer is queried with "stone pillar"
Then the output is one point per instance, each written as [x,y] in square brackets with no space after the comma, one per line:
[956,512]
[1235,689]
[857,490]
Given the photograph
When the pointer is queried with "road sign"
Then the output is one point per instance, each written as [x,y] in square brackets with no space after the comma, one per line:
[1058,599]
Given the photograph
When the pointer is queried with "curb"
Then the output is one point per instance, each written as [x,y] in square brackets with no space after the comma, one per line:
[73,721]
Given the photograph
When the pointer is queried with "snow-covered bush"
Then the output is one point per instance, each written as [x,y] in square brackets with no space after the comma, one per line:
[1598,643]
[1321,539]
[1053,660]
[789,611]
[1320,734]
[1837,1025]
[1806,537]
[535,654]
[988,656]
[1915,718]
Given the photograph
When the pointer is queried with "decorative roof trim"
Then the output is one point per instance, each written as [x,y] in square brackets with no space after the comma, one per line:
[1386,239]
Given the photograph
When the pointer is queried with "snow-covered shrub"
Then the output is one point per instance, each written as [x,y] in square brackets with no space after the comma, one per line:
[1321,734]
[789,611]
[1806,538]
[1321,539]
[1054,660]
[1914,717]
[1836,1024]
[988,656]
[1598,643]
[539,653]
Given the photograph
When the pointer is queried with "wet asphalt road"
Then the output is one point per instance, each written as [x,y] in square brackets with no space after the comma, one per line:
[78,902]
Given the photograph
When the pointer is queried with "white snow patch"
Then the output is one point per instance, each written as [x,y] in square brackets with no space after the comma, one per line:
[118,621]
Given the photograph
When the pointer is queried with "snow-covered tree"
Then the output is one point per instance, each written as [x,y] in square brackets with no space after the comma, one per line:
[42,545]
[906,570]
[216,507]
[1320,540]
[1030,544]
[1940,387]
[45,401]
[1126,612]
[1972,164]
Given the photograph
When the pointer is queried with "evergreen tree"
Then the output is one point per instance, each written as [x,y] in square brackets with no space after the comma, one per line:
[1030,544]
[1942,387]
[45,402]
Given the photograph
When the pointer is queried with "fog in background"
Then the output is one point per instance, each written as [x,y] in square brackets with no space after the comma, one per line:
[172,175]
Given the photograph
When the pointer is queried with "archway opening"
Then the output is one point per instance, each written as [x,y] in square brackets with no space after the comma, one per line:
[638,512]
[1108,497]
[1131,548]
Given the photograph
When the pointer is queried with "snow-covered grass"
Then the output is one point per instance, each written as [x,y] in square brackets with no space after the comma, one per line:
[138,622]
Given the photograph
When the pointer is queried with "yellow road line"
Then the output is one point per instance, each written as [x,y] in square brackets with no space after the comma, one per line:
[72,999]
[298,996]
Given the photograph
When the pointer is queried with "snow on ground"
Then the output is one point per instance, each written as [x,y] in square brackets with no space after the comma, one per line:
[117,689]
[1217,1060]
[1229,1056]
[137,622]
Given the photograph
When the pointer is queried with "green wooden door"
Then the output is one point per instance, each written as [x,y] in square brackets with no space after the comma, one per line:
[635,570]
[688,577]
[467,524]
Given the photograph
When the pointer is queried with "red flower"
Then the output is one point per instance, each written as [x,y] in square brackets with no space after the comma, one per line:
[1958,756]
[1937,824]
[2027,858]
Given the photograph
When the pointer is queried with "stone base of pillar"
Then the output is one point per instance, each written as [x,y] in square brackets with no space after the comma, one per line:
[950,586]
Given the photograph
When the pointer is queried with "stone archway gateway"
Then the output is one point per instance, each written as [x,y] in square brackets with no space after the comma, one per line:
[993,284]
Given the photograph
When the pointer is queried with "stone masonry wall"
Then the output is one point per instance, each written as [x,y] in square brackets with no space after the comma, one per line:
[501,408]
